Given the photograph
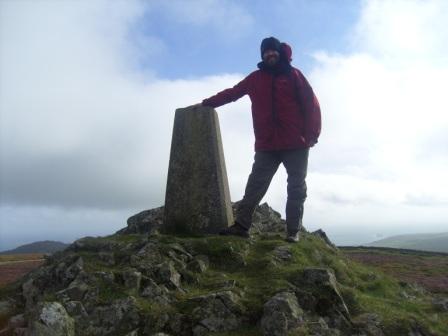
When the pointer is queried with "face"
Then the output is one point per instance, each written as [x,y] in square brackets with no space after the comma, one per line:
[271,57]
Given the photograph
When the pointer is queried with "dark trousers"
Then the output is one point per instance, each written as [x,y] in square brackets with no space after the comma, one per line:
[264,168]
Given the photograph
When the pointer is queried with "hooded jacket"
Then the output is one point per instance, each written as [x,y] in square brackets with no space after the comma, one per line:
[285,111]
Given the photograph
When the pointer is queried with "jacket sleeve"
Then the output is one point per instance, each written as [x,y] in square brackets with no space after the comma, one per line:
[310,105]
[228,95]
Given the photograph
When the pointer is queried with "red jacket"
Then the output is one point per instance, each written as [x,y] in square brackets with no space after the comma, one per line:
[285,111]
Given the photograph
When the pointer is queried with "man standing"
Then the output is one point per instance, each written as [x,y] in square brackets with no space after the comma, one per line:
[287,122]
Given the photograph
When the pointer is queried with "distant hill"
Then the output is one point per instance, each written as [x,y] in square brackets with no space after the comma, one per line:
[46,246]
[437,242]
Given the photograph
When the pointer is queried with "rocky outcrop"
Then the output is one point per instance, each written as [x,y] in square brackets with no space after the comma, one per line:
[151,284]
[322,235]
[265,220]
[320,284]
[147,221]
[117,318]
[216,312]
[51,319]
[281,314]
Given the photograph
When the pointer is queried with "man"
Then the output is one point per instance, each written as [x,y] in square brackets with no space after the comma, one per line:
[287,122]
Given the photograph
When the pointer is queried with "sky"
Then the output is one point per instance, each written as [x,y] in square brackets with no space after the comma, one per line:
[88,91]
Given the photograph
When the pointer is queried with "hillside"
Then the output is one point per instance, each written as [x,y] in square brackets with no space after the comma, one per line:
[437,242]
[142,282]
[426,269]
[46,246]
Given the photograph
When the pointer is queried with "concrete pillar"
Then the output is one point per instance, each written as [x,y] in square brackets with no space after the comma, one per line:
[197,196]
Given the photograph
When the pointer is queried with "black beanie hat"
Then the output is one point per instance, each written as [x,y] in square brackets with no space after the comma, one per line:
[270,43]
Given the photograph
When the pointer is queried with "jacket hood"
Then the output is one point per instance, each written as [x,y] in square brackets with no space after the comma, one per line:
[287,50]
[284,64]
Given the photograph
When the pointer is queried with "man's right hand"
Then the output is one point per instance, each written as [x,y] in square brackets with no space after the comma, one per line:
[196,105]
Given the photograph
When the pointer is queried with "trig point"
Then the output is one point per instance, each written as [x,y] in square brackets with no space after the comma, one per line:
[197,193]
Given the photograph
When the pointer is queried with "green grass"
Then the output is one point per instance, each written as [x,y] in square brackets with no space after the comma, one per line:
[252,267]
[108,292]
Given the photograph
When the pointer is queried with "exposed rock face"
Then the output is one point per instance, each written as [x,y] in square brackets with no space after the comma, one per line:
[147,221]
[318,291]
[114,319]
[216,312]
[197,193]
[321,234]
[52,320]
[141,284]
[264,220]
[281,314]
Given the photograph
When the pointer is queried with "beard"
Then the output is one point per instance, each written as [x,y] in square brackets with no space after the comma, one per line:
[271,61]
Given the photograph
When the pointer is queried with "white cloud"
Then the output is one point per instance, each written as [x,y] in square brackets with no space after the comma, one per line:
[403,30]
[385,120]
[225,16]
[82,130]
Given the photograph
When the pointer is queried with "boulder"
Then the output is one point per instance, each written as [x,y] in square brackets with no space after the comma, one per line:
[147,256]
[326,298]
[76,290]
[265,219]
[216,312]
[67,270]
[168,275]
[117,318]
[52,320]
[75,308]
[154,292]
[132,279]
[180,250]
[281,314]
[92,244]
[322,235]
[147,221]
[198,264]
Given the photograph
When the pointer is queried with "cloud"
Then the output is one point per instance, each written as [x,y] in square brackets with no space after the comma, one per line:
[83,131]
[403,31]
[384,106]
[226,17]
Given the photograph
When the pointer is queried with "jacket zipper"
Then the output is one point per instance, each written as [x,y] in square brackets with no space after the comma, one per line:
[274,114]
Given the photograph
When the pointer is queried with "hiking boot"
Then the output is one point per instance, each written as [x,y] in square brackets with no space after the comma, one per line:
[235,230]
[292,237]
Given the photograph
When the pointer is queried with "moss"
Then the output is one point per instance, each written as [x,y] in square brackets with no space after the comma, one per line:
[151,308]
[49,297]
[108,292]
[127,238]
[92,263]
[249,266]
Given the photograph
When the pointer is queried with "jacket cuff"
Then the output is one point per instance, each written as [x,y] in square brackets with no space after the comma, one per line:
[206,102]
